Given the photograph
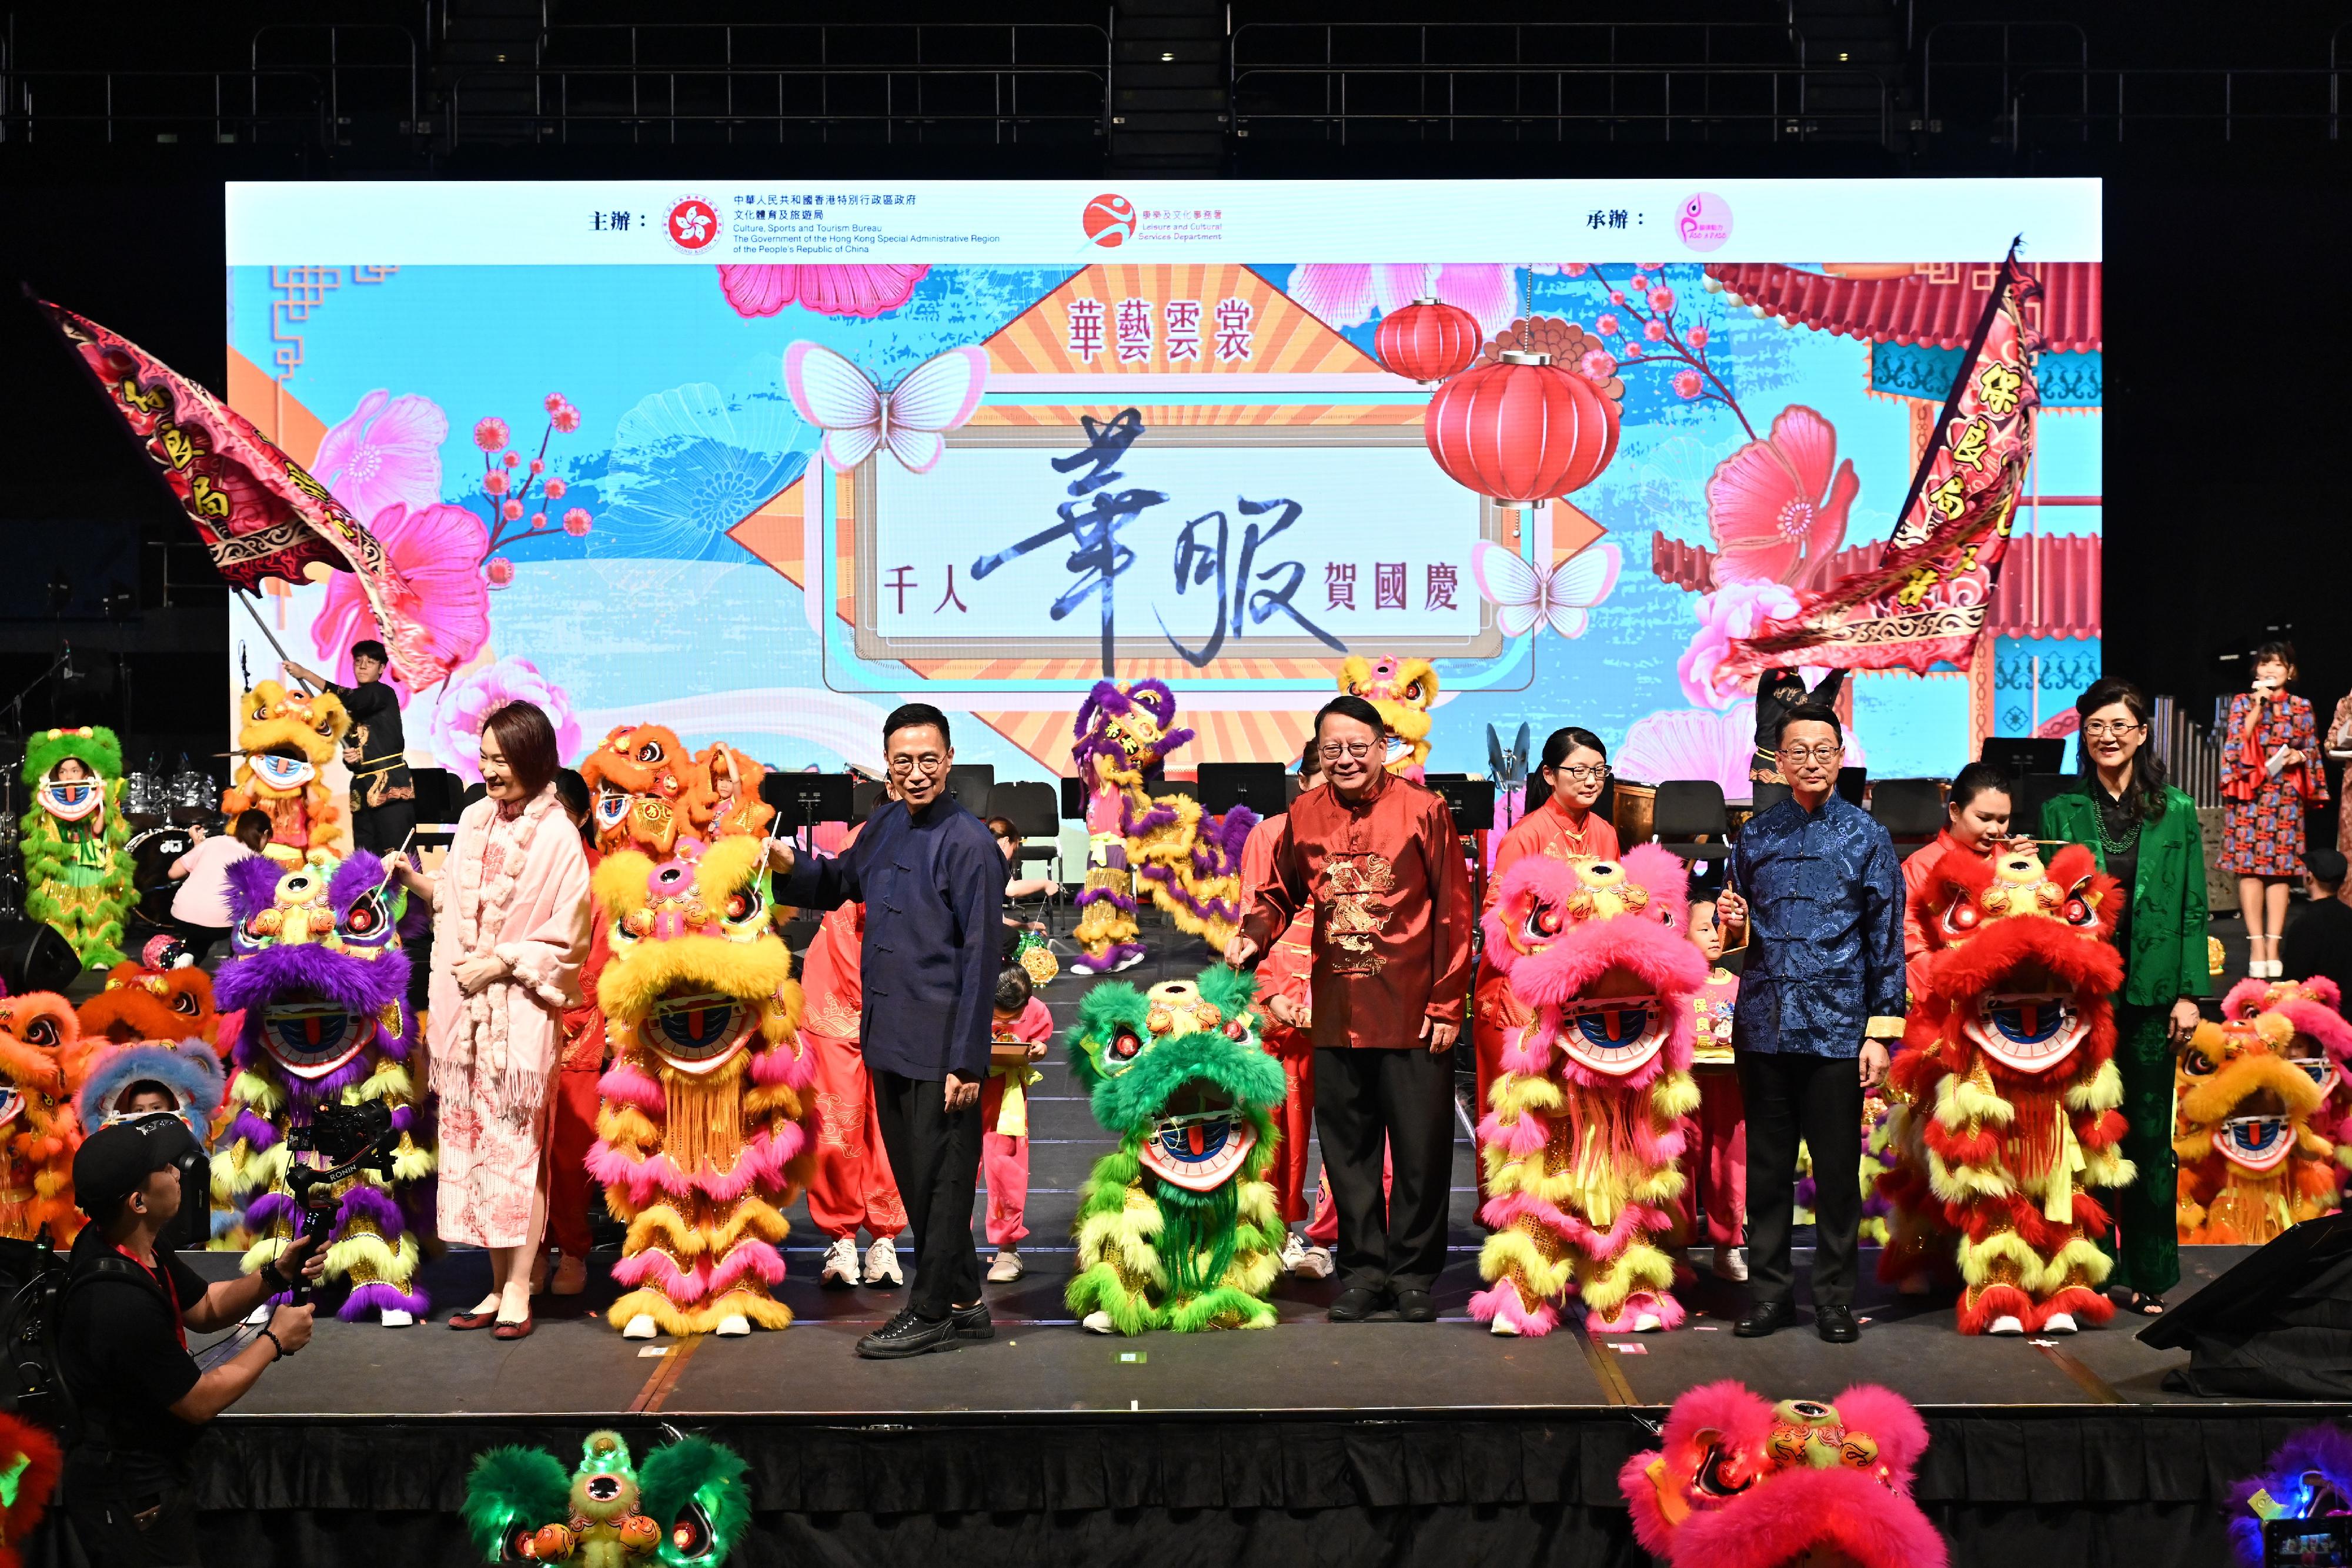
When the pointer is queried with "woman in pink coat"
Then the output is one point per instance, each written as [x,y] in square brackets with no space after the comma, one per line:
[509,935]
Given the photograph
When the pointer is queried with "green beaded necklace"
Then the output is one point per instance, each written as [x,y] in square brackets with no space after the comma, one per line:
[2108,843]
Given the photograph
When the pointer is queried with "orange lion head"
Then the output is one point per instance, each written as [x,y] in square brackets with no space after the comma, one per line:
[646,789]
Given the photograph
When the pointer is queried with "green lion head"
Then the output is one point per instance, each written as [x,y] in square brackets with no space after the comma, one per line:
[686,1507]
[1178,1072]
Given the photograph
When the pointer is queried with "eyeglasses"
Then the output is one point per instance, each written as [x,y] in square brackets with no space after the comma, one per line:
[918,764]
[1331,751]
[1823,753]
[1593,772]
[2101,729]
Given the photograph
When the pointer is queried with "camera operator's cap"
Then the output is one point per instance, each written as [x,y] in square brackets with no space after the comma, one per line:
[116,1160]
[2326,864]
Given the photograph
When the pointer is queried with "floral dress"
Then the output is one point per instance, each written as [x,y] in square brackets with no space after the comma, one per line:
[2340,739]
[2262,812]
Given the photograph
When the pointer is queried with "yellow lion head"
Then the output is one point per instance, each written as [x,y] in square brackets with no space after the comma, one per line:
[1403,690]
[287,736]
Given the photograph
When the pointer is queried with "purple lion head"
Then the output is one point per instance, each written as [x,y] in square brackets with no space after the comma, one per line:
[1129,729]
[318,971]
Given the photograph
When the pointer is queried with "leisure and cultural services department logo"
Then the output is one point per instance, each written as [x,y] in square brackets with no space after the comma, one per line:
[1109,221]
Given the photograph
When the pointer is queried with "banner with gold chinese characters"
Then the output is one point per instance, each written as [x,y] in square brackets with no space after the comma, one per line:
[1925,601]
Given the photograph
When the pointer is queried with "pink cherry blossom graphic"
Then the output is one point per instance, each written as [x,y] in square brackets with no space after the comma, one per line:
[437,551]
[868,290]
[456,730]
[386,453]
[1348,294]
[1777,507]
[1730,614]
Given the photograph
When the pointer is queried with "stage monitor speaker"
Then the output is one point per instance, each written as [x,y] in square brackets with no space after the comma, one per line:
[806,799]
[33,958]
[2278,1325]
[1257,784]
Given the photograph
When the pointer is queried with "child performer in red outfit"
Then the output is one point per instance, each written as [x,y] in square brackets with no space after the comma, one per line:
[850,1184]
[1283,994]
[1023,1029]
[1715,1137]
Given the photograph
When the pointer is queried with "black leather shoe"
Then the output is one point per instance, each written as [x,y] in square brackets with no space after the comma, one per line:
[1355,1305]
[1763,1318]
[908,1335]
[1415,1307]
[973,1322]
[1836,1324]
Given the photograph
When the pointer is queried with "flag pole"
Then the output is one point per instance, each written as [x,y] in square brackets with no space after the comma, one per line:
[247,599]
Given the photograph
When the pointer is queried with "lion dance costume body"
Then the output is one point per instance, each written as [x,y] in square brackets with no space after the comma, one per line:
[1737,1483]
[319,976]
[43,1066]
[686,1507]
[1585,1121]
[288,739]
[77,871]
[1192,864]
[2246,1118]
[1177,1227]
[2321,1048]
[701,1135]
[1402,689]
[734,780]
[2009,1089]
[645,790]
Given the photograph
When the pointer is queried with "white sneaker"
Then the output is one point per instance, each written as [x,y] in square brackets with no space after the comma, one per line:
[1097,1322]
[1649,1323]
[1315,1263]
[642,1326]
[734,1325]
[840,1269]
[2059,1323]
[1007,1268]
[1730,1263]
[1294,1252]
[396,1318]
[882,1263]
[1503,1325]
[1130,962]
[2006,1326]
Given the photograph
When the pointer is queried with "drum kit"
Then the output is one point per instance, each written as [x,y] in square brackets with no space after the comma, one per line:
[152,798]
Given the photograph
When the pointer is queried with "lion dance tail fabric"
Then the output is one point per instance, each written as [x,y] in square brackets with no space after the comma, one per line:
[2252,1096]
[686,1506]
[320,978]
[78,870]
[701,1137]
[2009,1090]
[30,1464]
[1177,1227]
[1737,1483]
[1585,1122]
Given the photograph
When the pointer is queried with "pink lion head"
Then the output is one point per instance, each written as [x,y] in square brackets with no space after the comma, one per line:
[2323,1041]
[1738,1483]
[1599,953]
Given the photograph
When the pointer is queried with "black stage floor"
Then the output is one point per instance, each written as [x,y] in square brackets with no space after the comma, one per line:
[1402,1440]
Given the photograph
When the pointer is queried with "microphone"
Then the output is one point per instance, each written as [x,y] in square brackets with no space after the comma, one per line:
[65,670]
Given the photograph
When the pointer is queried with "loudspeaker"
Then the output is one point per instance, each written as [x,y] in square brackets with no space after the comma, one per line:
[2276,1326]
[33,958]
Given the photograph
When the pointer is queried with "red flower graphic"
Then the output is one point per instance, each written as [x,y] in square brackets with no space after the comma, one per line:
[1777,507]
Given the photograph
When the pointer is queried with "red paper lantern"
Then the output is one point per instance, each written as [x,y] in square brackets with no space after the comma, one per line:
[1522,430]
[1427,340]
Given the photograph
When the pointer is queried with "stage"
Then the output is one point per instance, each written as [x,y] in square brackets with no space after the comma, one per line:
[1377,1442]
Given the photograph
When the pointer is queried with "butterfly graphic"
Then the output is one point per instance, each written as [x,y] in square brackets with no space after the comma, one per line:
[856,416]
[1525,595]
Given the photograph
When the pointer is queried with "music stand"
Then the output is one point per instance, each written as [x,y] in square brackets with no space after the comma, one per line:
[806,799]
[1472,800]
[1257,785]
[2019,755]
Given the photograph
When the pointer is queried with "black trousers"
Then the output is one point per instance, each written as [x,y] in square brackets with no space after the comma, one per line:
[385,828]
[1402,1100]
[935,1155]
[129,1510]
[1818,1099]
[199,938]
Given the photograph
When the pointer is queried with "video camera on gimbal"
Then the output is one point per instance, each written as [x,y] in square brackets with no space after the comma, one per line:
[356,1137]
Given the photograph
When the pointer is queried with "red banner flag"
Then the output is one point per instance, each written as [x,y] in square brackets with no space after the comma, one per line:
[1926,598]
[258,511]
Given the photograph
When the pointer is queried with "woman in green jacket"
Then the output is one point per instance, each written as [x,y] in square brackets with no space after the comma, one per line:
[2146,836]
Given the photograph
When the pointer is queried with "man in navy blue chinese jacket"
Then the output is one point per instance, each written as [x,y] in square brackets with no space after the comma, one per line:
[933,881]
[1817,887]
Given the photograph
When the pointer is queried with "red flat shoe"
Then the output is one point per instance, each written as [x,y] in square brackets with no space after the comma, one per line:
[463,1321]
[515,1330]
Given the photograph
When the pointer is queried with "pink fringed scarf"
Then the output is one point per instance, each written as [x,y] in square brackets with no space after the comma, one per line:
[474,1064]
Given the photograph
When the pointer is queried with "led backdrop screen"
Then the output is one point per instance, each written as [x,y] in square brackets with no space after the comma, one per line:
[784,454]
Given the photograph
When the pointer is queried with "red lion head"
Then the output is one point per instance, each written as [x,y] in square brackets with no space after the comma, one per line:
[1738,1483]
[1599,952]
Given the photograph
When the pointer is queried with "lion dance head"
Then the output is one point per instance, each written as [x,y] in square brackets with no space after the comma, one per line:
[700,1135]
[2310,1478]
[1583,1125]
[77,867]
[1403,690]
[320,979]
[1738,1483]
[734,780]
[161,994]
[42,1068]
[1176,1227]
[646,790]
[1125,733]
[2252,1159]
[2322,1045]
[287,740]
[684,1506]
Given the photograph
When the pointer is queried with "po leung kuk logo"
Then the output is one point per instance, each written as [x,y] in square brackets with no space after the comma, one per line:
[692,223]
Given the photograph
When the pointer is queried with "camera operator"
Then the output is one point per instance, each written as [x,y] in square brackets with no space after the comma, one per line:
[122,1348]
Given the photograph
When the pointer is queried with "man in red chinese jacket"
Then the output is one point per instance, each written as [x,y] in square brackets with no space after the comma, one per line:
[1377,859]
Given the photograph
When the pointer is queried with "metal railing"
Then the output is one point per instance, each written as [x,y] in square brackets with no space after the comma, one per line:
[2267,102]
[110,106]
[2192,754]
[382,85]
[1670,102]
[1955,76]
